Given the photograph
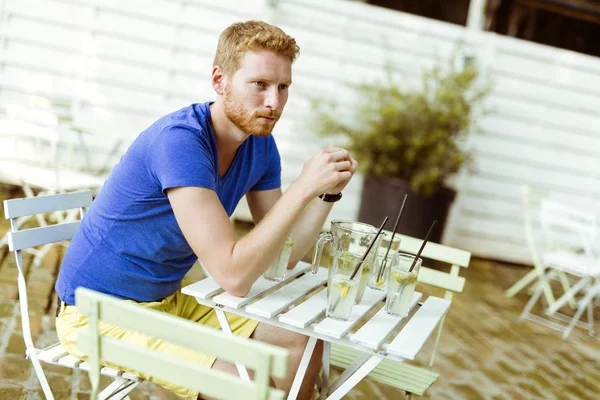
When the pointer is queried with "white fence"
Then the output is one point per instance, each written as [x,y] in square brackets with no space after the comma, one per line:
[126,63]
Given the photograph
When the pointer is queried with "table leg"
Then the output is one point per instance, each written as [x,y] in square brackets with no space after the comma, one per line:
[326,369]
[227,329]
[351,378]
[308,351]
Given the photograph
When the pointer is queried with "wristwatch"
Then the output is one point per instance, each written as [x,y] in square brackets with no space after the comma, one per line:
[330,198]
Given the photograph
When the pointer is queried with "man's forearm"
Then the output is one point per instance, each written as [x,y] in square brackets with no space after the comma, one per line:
[308,227]
[253,253]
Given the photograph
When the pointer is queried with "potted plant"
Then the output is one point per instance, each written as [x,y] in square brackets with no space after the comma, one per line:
[409,140]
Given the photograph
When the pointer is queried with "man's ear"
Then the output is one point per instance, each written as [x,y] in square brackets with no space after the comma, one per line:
[218,79]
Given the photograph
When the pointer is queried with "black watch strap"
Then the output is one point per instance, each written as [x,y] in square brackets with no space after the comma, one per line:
[330,198]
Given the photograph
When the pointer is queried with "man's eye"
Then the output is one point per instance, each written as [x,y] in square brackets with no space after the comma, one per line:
[283,87]
[260,84]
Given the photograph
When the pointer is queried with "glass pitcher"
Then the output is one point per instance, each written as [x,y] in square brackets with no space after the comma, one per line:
[349,240]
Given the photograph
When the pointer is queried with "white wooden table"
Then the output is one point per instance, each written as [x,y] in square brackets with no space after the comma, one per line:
[273,303]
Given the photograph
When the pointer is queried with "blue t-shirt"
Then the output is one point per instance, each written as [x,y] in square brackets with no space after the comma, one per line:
[129,244]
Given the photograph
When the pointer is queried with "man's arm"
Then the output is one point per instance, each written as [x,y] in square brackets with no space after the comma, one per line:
[236,264]
[309,224]
[307,227]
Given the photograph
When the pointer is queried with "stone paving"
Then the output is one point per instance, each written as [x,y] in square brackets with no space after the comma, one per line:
[483,354]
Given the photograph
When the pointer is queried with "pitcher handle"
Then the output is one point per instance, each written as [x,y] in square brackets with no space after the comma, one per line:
[319,246]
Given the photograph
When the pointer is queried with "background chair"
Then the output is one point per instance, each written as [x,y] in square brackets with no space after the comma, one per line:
[530,202]
[20,240]
[569,247]
[266,360]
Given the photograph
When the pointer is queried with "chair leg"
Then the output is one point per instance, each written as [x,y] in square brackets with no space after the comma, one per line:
[582,306]
[41,254]
[570,295]
[37,367]
[522,283]
[590,308]
[536,295]
[566,287]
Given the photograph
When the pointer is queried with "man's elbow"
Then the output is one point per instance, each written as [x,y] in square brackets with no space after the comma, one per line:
[236,288]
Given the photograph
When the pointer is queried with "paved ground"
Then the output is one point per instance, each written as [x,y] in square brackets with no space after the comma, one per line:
[483,354]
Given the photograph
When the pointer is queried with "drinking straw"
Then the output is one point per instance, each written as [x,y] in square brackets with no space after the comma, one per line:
[345,290]
[383,264]
[422,246]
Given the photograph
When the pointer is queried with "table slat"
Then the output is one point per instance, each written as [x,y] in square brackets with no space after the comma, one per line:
[260,286]
[305,313]
[272,304]
[374,332]
[206,288]
[413,336]
[338,329]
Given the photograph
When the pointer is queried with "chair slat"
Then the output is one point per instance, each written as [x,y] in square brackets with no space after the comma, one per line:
[180,331]
[113,373]
[180,372]
[43,235]
[272,304]
[338,329]
[377,329]
[260,286]
[15,208]
[53,354]
[441,279]
[70,361]
[413,336]
[434,251]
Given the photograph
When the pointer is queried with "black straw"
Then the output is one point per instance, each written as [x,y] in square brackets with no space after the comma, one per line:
[384,262]
[422,246]
[369,249]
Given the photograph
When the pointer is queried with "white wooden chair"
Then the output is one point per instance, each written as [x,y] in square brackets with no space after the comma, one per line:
[410,378]
[569,247]
[20,240]
[531,203]
[266,360]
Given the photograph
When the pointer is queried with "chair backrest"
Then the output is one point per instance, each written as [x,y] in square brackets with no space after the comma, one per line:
[451,281]
[15,208]
[266,360]
[21,240]
[568,227]
[530,200]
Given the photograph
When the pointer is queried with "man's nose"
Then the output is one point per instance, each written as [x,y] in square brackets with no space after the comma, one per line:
[273,99]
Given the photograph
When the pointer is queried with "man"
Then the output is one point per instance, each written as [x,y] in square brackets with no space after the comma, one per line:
[167,203]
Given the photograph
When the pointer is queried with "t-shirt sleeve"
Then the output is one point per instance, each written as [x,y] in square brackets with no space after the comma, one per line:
[271,179]
[182,156]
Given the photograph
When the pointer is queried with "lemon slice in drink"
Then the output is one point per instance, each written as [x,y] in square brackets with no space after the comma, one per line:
[344,291]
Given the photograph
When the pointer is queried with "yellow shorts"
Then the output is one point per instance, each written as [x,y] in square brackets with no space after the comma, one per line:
[69,320]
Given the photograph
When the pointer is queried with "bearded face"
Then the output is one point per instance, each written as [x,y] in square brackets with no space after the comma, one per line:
[254,97]
[252,121]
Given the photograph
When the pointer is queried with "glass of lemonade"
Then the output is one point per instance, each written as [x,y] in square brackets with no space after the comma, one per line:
[379,276]
[368,268]
[342,290]
[401,284]
[276,272]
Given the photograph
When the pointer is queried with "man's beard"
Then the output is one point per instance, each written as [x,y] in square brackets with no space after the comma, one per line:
[245,120]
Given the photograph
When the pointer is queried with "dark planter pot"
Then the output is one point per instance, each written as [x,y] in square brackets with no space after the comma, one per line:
[382,196]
